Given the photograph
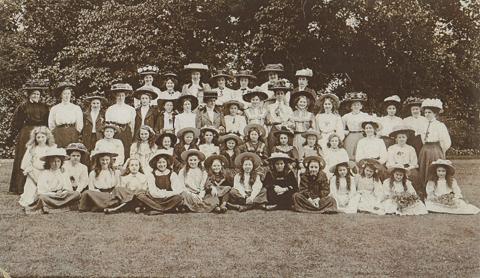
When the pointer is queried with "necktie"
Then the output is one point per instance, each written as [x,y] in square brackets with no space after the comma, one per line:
[428,131]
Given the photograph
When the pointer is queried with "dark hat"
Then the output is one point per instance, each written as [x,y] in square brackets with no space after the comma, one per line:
[170,75]
[220,73]
[354,97]
[111,125]
[166,134]
[36,84]
[76,147]
[93,97]
[412,101]
[184,130]
[209,161]
[279,85]
[284,130]
[295,96]
[402,129]
[186,154]
[280,156]
[260,128]
[245,73]
[62,86]
[193,100]
[149,90]
[375,121]
[253,156]
[159,154]
[272,68]
[196,67]
[210,94]
[319,159]
[230,136]
[227,104]
[257,91]
[119,88]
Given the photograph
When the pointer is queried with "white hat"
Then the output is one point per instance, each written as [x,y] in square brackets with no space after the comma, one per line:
[432,102]
[304,72]
[394,98]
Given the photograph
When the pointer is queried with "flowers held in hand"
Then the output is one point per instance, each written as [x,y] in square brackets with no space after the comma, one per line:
[447,200]
[405,199]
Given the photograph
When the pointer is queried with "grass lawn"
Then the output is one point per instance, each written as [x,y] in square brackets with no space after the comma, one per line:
[254,243]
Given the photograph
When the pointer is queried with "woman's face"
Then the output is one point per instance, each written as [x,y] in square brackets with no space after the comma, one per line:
[369,130]
[210,102]
[398,176]
[314,168]
[193,161]
[120,97]
[342,171]
[75,157]
[243,82]
[196,76]
[216,166]
[247,166]
[327,105]
[221,82]
[208,136]
[441,172]
[162,164]
[391,110]
[187,106]
[356,106]
[35,96]
[41,138]
[302,103]
[279,165]
[415,110]
[108,133]
[134,166]
[231,144]
[145,100]
[144,134]
[96,104]
[402,139]
[311,140]
[55,163]
[188,137]
[170,85]
[302,81]
[166,142]
[105,162]
[334,141]
[255,101]
[148,79]
[253,135]
[66,95]
[233,109]
[279,95]
[168,106]
[272,76]
[429,114]
[283,138]
[369,171]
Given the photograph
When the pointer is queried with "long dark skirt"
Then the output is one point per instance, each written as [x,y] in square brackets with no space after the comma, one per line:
[301,204]
[159,204]
[236,198]
[57,203]
[429,153]
[98,201]
[125,135]
[17,179]
[283,201]
[65,135]
[416,143]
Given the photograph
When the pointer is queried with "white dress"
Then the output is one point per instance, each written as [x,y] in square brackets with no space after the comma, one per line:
[347,200]
[371,195]
[333,157]
[209,149]
[392,206]
[328,124]
[184,120]
[235,124]
[388,123]
[78,174]
[143,152]
[371,148]
[113,145]
[457,205]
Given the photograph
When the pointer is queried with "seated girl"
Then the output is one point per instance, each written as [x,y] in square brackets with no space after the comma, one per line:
[280,182]
[144,146]
[443,193]
[369,187]
[313,195]
[334,152]
[219,181]
[284,137]
[310,147]
[399,195]
[254,143]
[209,141]
[343,188]
[74,169]
[110,143]
[187,138]
[164,189]
[401,153]
[234,122]
[370,146]
[230,149]
[248,191]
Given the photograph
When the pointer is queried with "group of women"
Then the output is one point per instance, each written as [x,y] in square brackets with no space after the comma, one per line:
[209,150]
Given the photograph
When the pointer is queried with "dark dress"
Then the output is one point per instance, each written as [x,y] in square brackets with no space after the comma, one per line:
[283,201]
[150,119]
[179,149]
[223,184]
[160,204]
[160,122]
[27,116]
[314,187]
[88,137]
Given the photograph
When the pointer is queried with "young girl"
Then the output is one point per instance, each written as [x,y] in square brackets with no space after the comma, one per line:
[412,106]
[102,181]
[435,137]
[55,192]
[234,123]
[41,141]
[280,182]
[343,188]
[248,191]
[110,143]
[328,121]
[311,146]
[209,141]
[443,193]
[284,135]
[164,189]
[230,149]
[399,195]
[94,119]
[369,187]
[187,141]
[401,153]
[392,105]
[313,195]
[334,152]
[279,113]
[302,118]
[186,118]
[74,169]
[166,117]
[166,141]
[353,121]
[256,113]
[194,177]
[370,146]
[254,136]
[144,146]
[219,181]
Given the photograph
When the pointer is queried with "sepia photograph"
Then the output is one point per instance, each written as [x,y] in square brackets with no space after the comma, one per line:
[239,138]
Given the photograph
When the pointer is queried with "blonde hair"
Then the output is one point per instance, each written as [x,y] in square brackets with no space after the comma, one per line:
[32,142]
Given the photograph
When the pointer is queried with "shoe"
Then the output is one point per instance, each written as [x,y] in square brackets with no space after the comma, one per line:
[243,208]
[217,210]
[154,212]
[139,209]
[223,209]
[269,207]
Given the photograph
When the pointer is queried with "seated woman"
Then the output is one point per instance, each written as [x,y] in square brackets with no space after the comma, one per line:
[369,187]
[370,146]
[399,195]
[343,187]
[313,195]
[74,169]
[219,181]
[193,177]
[55,192]
[443,193]
[280,182]
[164,189]
[248,191]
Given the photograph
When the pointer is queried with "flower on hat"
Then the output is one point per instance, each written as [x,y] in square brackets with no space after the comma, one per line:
[304,72]
[432,102]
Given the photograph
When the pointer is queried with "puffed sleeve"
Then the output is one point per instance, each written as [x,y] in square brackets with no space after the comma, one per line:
[382,151]
[339,128]
[51,118]
[26,164]
[430,189]
[120,159]
[359,151]
[181,177]
[78,118]
[413,160]
[390,156]
[445,140]
[91,181]
[83,180]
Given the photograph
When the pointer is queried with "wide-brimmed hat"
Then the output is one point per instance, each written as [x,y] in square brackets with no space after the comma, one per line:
[260,128]
[279,85]
[184,130]
[272,68]
[304,73]
[279,156]
[334,98]
[79,147]
[253,156]
[210,94]
[432,103]
[111,125]
[193,100]
[397,166]
[120,88]
[196,67]
[62,86]
[159,154]
[186,154]
[161,102]
[54,152]
[375,121]
[213,129]
[354,97]
[284,130]
[444,163]
[349,163]
[221,73]
[171,75]
[227,104]
[320,160]
[245,73]
[209,161]
[148,70]
[102,152]
[230,136]
[402,129]
[370,162]
[102,99]
[257,91]
[393,100]
[160,137]
[313,132]
[295,96]
[412,101]
[148,90]
[36,84]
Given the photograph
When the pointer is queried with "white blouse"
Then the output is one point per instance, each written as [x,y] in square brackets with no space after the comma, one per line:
[388,123]
[168,122]
[328,124]
[396,188]
[256,115]
[156,192]
[194,181]
[31,159]
[79,174]
[235,124]
[334,156]
[371,148]
[209,149]
[342,189]
[245,188]
[106,179]
[437,131]
[65,113]
[226,94]
[134,182]
[121,114]
[369,185]
[402,155]
[419,124]
[442,188]
[143,152]
[280,113]
[353,122]
[115,146]
[51,181]
[183,120]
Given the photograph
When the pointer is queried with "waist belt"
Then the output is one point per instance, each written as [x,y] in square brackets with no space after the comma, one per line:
[66,125]
[356,131]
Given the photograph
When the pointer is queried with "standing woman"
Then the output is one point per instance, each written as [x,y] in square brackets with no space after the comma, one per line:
[256,113]
[272,71]
[246,80]
[186,118]
[371,146]
[166,116]
[412,106]
[303,76]
[195,86]
[170,82]
[303,118]
[436,140]
[353,121]
[145,114]
[279,113]
[28,115]
[94,121]
[328,121]
[224,93]
[392,105]
[148,73]
[122,115]
[65,119]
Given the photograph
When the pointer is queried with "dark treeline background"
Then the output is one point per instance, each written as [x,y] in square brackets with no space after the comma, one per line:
[428,48]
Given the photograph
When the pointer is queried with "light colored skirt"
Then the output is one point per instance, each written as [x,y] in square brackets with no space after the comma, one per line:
[460,207]
[29,195]
[197,204]
[350,143]
[347,203]
[159,204]
[391,207]
[369,203]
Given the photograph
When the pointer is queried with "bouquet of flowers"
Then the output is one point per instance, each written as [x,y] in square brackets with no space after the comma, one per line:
[446,200]
[405,200]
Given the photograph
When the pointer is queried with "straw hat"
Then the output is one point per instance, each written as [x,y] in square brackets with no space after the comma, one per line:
[208,162]
[253,156]
[230,136]
[111,125]
[294,98]
[62,86]
[393,100]
[304,73]
[36,84]
[169,75]
[257,91]
[412,101]
[432,103]
[149,90]
[221,73]
[447,164]
[375,121]
[284,130]
[354,97]
[245,73]
[371,162]
[400,167]
[402,129]
[148,70]
[182,131]
[196,67]
[97,153]
[120,88]
[94,97]
[227,104]
[209,128]
[334,98]
[260,128]
[317,158]
[189,153]
[193,100]
[172,136]
[79,147]
[159,154]
[279,156]
[313,132]
[272,68]
[348,163]
[54,152]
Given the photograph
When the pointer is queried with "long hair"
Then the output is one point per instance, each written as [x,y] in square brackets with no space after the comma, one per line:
[316,146]
[253,174]
[97,167]
[260,135]
[127,166]
[214,140]
[348,177]
[32,142]
[404,180]
[169,164]
[375,172]
[223,147]
[47,166]
[151,136]
[181,140]
[187,166]
[340,144]
[334,107]
[283,173]
[220,175]
[434,177]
